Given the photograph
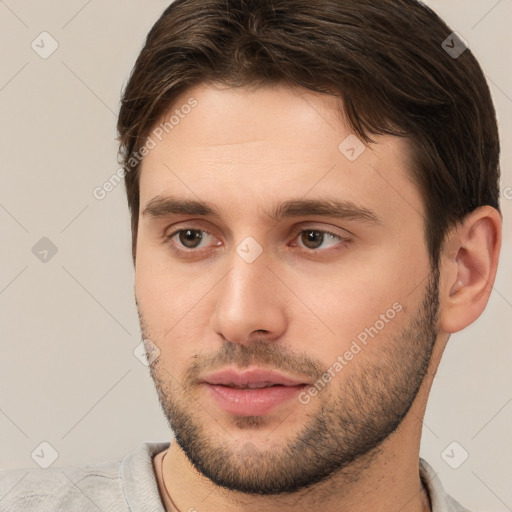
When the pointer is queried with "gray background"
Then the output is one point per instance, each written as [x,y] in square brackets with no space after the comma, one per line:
[69,327]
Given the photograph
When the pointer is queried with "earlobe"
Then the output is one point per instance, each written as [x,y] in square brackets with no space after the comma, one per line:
[470,261]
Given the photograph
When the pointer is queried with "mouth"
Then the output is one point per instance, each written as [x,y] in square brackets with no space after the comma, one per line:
[251,378]
[254,392]
[253,385]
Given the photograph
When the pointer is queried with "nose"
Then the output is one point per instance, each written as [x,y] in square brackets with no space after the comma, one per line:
[249,303]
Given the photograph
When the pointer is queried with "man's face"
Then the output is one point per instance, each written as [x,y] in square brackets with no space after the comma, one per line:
[349,317]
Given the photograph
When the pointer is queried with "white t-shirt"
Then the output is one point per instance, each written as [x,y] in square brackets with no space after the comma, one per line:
[128,485]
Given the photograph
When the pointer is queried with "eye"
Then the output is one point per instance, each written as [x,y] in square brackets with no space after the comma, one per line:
[313,239]
[189,238]
[187,241]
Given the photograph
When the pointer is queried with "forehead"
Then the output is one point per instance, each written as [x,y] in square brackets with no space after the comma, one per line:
[246,145]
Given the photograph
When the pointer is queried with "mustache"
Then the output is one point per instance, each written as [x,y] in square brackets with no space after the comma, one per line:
[264,354]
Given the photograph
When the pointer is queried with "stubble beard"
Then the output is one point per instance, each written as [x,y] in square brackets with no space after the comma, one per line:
[342,435]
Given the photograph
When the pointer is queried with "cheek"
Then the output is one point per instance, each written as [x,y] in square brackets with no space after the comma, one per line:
[364,298]
[172,304]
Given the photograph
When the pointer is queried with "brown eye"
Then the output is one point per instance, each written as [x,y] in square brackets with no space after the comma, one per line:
[319,240]
[315,238]
[190,242]
[312,239]
[190,238]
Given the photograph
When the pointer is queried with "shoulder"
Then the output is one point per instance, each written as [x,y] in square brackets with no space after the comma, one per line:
[441,501]
[87,488]
[454,506]
[119,486]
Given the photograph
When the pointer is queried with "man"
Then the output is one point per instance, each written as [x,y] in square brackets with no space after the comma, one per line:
[314,197]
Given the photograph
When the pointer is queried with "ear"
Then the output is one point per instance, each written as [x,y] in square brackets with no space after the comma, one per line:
[468,264]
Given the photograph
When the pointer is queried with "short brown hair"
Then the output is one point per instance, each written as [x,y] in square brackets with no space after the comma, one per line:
[383,58]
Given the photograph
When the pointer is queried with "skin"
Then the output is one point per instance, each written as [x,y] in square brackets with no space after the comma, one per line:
[298,306]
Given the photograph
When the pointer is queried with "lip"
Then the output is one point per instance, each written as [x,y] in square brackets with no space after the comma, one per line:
[251,377]
[229,390]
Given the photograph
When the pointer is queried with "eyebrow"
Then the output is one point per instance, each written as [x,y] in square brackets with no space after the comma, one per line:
[342,209]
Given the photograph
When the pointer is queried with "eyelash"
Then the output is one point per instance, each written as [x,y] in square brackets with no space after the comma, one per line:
[343,240]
